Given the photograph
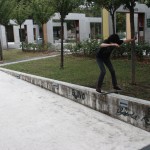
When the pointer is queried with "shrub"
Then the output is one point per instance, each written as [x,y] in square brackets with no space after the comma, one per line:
[125,50]
[87,47]
[36,47]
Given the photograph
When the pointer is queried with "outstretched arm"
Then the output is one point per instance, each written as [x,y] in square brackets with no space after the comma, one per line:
[129,40]
[111,44]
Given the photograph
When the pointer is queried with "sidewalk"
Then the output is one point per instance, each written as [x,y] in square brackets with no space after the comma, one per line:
[32,118]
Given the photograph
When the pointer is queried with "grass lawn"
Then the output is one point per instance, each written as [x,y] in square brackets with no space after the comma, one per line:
[84,71]
[17,54]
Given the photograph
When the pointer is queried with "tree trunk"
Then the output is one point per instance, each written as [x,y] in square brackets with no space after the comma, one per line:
[43,40]
[21,38]
[1,51]
[62,51]
[113,23]
[133,65]
[6,37]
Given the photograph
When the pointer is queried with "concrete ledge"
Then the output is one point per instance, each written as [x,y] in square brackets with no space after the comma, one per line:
[128,109]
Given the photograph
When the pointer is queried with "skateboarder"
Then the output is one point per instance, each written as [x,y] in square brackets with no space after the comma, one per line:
[103,57]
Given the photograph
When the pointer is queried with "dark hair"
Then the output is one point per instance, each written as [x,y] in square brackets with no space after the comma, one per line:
[114,38]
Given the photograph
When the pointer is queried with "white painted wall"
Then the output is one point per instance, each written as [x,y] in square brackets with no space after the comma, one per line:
[16,36]
[50,31]
[3,37]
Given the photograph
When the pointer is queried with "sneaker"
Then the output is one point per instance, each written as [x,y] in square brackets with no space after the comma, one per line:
[98,90]
[117,88]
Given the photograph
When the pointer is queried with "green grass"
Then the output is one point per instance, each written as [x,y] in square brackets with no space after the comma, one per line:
[17,54]
[85,71]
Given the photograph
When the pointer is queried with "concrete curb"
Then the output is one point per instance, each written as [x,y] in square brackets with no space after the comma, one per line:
[128,109]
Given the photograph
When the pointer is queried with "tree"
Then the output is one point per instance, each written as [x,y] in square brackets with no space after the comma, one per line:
[20,13]
[42,10]
[63,7]
[111,6]
[147,2]
[120,17]
[130,4]
[6,8]
[89,9]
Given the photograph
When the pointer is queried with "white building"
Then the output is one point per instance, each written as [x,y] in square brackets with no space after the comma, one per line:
[31,32]
[141,20]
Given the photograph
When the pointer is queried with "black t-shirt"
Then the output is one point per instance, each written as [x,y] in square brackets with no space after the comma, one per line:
[105,52]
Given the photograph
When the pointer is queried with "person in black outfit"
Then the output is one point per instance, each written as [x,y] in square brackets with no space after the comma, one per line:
[103,57]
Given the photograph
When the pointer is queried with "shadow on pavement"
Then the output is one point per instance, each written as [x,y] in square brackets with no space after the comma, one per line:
[146,148]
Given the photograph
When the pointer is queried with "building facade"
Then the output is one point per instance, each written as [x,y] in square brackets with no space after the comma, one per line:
[141,20]
[31,33]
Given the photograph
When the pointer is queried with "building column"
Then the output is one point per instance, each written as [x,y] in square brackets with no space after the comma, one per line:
[128,28]
[50,37]
[30,34]
[16,36]
[105,24]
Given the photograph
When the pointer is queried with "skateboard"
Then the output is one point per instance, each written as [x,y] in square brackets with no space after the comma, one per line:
[111,91]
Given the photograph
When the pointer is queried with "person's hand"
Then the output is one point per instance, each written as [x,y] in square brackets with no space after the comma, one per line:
[135,38]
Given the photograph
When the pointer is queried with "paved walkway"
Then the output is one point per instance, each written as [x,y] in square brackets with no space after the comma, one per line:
[32,118]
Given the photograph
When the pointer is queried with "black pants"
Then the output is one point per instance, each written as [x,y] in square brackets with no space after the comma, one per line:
[109,65]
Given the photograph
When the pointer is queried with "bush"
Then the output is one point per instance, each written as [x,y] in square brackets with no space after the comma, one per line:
[36,47]
[87,47]
[141,48]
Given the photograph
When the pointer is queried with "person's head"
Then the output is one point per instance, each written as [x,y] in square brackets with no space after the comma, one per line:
[114,38]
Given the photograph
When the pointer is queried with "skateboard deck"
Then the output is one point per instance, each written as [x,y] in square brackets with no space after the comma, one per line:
[109,92]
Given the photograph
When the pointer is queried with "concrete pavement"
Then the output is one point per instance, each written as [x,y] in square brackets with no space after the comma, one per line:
[32,118]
